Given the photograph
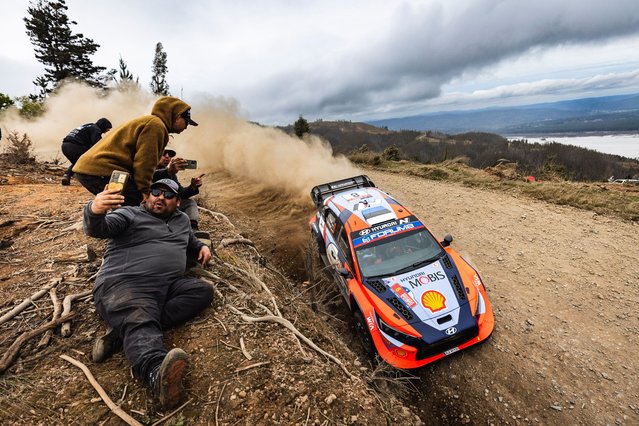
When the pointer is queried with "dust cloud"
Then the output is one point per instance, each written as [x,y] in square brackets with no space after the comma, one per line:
[222,141]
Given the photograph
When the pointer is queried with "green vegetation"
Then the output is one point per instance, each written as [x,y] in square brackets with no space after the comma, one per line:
[64,54]
[544,161]
[159,86]
[5,101]
[301,126]
[19,149]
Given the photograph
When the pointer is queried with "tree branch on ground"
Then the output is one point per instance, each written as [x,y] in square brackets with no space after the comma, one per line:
[114,408]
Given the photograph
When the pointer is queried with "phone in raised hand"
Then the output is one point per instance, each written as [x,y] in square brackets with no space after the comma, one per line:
[118,180]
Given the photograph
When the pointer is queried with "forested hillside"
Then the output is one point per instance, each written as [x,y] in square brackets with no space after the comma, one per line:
[480,150]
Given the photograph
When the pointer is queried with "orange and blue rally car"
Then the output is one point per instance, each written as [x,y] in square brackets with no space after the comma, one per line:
[414,299]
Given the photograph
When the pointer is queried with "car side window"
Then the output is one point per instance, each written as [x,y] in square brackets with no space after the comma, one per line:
[331,222]
[344,247]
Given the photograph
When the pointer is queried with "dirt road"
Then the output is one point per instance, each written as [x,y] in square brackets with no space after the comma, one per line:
[564,284]
[564,288]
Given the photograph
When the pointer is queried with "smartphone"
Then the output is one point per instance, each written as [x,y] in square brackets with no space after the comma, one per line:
[118,180]
[191,164]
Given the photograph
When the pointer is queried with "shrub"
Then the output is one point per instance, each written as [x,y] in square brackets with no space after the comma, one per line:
[19,149]
[391,153]
[365,157]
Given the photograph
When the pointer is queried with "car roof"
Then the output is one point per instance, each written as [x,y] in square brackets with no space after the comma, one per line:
[362,208]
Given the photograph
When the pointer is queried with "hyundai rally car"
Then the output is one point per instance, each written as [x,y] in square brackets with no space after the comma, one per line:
[415,300]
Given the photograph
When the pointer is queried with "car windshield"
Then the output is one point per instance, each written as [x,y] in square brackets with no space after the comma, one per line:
[399,254]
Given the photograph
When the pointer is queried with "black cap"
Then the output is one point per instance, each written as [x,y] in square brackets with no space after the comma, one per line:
[187,116]
[104,124]
[169,183]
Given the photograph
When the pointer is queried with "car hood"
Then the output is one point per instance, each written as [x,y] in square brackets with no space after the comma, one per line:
[430,293]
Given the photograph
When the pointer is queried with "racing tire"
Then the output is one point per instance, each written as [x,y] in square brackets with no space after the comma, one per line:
[364,334]
[314,273]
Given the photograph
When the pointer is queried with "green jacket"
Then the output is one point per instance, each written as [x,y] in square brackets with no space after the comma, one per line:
[136,146]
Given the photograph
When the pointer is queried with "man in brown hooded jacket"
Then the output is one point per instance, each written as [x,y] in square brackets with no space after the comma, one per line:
[134,147]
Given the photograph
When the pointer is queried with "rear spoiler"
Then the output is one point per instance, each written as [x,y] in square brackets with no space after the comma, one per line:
[319,192]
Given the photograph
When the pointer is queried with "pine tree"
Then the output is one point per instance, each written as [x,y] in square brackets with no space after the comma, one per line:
[159,86]
[64,54]
[5,101]
[125,79]
[301,126]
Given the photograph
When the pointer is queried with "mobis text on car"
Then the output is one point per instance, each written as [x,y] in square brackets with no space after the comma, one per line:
[414,299]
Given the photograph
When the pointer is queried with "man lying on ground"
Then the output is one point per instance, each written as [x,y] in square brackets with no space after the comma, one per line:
[141,289]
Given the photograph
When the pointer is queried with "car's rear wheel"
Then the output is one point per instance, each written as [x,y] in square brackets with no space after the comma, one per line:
[321,287]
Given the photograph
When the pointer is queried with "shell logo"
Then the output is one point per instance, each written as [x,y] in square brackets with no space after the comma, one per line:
[433,300]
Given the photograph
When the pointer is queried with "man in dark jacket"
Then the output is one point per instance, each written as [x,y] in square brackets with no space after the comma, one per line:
[134,147]
[141,288]
[79,141]
[168,168]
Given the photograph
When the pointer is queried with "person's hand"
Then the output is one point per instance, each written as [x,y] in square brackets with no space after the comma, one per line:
[107,200]
[204,256]
[176,164]
[196,182]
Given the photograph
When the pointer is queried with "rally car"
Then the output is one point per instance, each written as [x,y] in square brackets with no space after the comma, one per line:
[414,299]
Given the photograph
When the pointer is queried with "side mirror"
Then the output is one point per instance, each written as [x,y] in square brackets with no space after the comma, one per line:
[447,240]
[344,272]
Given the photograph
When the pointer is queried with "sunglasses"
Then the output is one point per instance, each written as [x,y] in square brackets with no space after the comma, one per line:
[168,194]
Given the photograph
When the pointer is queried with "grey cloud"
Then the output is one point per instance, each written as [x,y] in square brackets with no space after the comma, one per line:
[430,44]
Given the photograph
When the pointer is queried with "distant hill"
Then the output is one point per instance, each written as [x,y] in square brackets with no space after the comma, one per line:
[603,114]
[480,149]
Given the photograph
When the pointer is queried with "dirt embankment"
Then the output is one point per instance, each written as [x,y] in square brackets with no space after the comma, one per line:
[562,282]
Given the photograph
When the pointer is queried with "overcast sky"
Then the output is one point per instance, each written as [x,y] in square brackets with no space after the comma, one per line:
[356,60]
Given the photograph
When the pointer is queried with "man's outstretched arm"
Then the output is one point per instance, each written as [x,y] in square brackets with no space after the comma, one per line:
[96,222]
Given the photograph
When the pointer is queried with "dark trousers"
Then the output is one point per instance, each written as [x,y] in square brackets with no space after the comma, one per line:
[73,152]
[140,309]
[96,184]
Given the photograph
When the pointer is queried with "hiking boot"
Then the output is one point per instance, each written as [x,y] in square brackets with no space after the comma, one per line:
[105,346]
[66,180]
[167,379]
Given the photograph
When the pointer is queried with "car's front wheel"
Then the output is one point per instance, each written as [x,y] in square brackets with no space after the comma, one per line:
[363,333]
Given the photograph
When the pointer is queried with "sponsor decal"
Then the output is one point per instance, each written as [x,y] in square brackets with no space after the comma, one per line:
[476,281]
[356,195]
[370,322]
[388,232]
[433,300]
[401,292]
[451,330]
[451,351]
[333,256]
[412,277]
[426,279]
[378,227]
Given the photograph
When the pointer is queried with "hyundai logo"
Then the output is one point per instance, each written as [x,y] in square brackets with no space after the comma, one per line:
[364,232]
[451,330]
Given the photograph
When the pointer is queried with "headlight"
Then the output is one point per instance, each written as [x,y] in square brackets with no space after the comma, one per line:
[480,308]
[398,335]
